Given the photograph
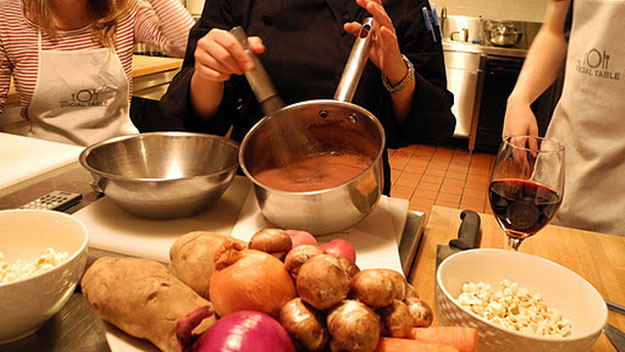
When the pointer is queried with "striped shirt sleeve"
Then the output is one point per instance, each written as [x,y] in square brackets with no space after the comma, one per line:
[164,24]
[5,76]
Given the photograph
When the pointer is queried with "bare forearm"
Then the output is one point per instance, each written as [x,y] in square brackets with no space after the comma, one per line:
[206,96]
[545,57]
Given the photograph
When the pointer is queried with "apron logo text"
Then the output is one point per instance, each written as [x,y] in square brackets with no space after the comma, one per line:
[84,98]
[595,63]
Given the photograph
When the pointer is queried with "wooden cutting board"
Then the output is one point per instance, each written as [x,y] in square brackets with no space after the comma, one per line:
[597,257]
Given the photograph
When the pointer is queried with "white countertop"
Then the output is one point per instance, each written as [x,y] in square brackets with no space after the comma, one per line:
[25,160]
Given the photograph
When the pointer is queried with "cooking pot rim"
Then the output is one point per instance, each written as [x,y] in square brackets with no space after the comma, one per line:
[321,102]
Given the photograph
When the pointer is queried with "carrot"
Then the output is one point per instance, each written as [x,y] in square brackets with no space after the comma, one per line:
[395,344]
[464,339]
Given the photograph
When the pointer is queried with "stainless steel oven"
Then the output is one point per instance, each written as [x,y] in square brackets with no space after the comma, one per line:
[464,79]
[500,76]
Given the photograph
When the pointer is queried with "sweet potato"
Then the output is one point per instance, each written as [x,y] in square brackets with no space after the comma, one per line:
[464,339]
[192,259]
[395,344]
[142,298]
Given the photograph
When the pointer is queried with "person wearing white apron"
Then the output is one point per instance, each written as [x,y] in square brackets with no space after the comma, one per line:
[589,118]
[81,96]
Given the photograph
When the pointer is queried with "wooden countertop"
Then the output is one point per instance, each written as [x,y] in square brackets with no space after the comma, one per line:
[599,258]
[142,65]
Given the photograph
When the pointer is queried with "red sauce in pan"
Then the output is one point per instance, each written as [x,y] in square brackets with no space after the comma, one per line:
[314,173]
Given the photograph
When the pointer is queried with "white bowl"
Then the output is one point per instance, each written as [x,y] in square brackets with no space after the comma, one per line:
[559,287]
[26,304]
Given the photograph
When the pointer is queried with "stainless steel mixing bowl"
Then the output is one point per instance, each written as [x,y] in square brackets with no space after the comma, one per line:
[162,175]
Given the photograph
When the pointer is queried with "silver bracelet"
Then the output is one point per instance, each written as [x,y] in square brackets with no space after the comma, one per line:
[404,82]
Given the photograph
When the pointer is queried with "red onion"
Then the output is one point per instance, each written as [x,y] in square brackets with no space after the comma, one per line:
[244,330]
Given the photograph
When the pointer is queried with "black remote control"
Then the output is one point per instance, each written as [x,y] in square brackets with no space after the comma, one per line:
[55,200]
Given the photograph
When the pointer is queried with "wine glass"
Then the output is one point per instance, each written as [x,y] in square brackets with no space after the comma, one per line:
[526,185]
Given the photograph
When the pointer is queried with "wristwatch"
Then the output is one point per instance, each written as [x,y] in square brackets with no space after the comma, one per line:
[404,82]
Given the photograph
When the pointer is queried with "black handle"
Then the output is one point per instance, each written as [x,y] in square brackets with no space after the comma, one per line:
[258,79]
[468,233]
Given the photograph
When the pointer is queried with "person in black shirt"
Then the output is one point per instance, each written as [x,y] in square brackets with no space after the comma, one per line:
[304,45]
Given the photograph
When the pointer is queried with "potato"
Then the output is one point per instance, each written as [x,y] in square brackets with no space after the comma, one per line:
[192,259]
[305,324]
[396,319]
[353,327]
[142,298]
[322,282]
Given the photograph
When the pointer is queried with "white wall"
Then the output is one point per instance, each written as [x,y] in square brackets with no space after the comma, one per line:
[512,10]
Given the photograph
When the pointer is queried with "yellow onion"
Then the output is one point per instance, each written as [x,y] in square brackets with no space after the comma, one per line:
[247,279]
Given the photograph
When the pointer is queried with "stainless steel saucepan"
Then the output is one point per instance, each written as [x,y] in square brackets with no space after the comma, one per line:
[504,34]
[333,127]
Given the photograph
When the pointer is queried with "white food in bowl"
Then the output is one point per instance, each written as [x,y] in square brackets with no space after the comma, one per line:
[559,287]
[22,269]
[28,302]
[515,308]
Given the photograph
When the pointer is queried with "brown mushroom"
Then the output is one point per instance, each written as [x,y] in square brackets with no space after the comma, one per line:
[374,287]
[396,318]
[305,324]
[298,255]
[349,266]
[353,327]
[421,312]
[273,241]
[322,282]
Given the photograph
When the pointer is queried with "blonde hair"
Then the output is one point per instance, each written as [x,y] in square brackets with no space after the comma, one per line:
[104,16]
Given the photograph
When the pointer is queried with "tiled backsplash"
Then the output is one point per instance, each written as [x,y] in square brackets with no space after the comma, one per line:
[513,10]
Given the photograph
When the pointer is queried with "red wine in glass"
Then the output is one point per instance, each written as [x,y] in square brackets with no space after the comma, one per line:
[523,207]
[526,185]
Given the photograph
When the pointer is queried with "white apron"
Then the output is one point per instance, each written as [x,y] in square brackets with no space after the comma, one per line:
[81,97]
[590,119]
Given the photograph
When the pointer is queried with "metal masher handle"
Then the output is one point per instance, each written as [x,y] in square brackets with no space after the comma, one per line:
[258,79]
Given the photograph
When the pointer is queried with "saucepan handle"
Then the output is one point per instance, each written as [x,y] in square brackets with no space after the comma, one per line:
[356,62]
[258,79]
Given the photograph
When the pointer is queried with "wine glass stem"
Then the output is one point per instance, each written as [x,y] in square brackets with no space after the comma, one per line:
[514,243]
